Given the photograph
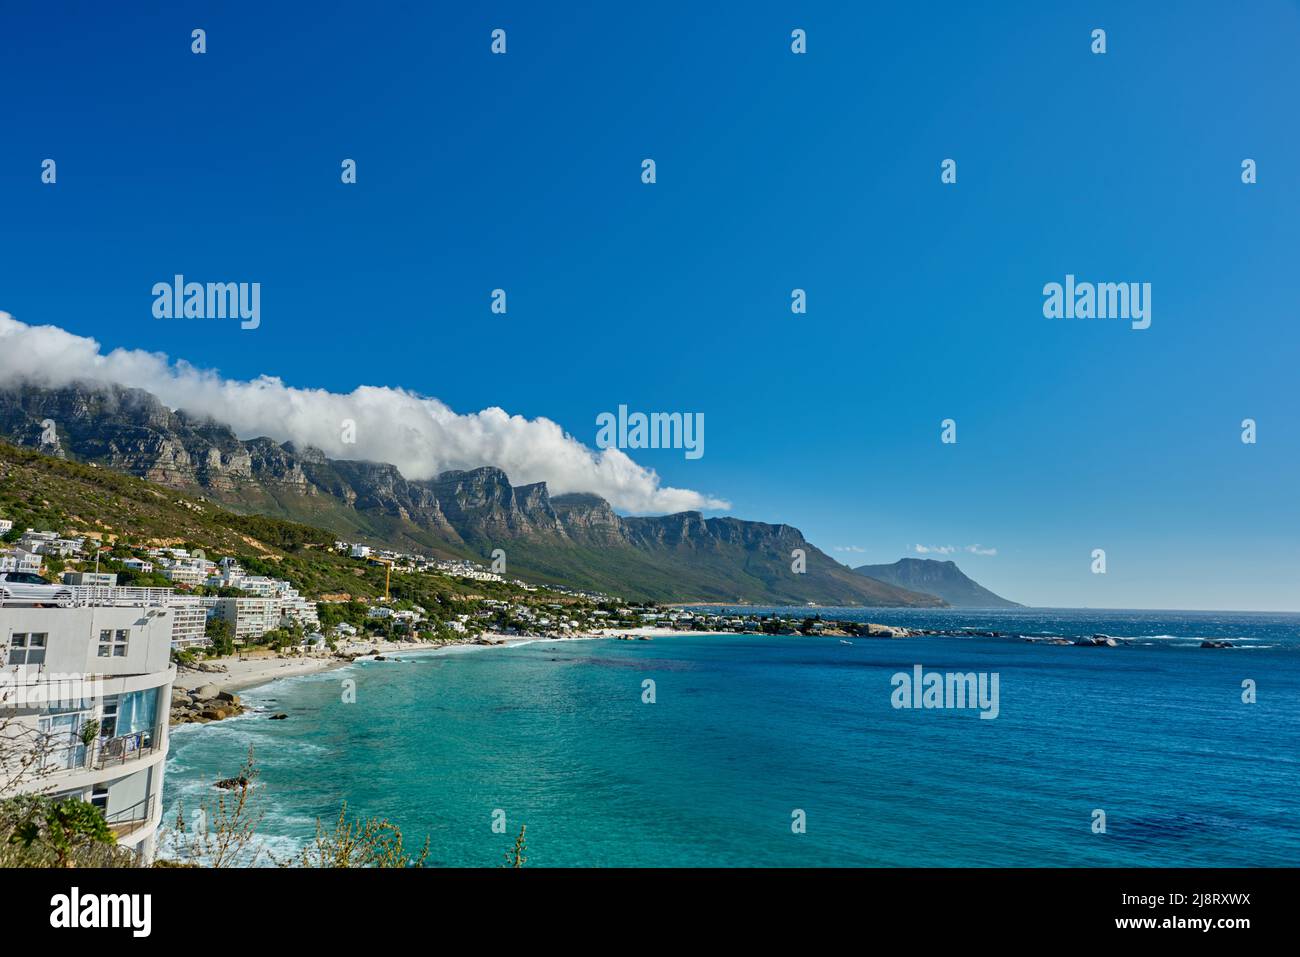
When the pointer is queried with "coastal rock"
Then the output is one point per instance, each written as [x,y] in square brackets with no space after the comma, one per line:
[230,784]
[204,705]
[1097,641]
[278,717]
[884,631]
[1211,643]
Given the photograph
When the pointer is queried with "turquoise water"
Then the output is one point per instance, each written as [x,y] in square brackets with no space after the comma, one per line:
[747,729]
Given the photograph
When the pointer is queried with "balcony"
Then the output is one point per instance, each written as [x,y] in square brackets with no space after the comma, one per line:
[100,754]
[121,596]
[127,821]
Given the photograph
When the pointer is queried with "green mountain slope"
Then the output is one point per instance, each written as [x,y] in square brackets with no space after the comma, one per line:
[576,540]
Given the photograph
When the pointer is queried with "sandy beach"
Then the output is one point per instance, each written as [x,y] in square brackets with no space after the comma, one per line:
[249,670]
[241,672]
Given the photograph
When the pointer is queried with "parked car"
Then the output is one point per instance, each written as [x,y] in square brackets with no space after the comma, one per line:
[27,588]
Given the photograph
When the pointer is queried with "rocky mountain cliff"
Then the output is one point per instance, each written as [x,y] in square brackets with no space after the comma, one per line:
[574,539]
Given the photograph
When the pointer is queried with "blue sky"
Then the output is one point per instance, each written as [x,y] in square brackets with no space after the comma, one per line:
[775,171]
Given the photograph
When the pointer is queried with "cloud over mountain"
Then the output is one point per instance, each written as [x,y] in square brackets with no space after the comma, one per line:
[421,436]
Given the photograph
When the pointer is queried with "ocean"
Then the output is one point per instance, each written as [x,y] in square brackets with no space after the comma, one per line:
[789,751]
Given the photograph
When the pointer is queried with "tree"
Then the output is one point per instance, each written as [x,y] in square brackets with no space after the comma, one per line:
[38,831]
[218,632]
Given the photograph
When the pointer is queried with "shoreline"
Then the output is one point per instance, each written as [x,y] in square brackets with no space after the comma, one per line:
[243,673]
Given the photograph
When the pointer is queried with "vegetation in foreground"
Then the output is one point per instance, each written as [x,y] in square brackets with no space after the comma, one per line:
[38,831]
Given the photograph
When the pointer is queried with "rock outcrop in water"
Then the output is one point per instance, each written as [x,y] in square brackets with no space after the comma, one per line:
[203,704]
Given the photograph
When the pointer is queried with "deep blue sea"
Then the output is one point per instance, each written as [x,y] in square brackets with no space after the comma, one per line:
[746,731]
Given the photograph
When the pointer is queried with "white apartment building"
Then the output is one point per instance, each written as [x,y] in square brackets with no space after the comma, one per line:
[20,560]
[187,571]
[49,543]
[190,621]
[84,698]
[259,586]
[300,610]
[477,574]
[6,526]
[249,618]
[227,574]
[32,539]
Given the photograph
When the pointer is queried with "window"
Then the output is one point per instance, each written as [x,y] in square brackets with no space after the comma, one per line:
[108,720]
[61,746]
[137,714]
[27,649]
[112,644]
[25,578]
[99,797]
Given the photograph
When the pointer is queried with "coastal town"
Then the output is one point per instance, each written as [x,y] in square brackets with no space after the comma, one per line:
[216,597]
[171,632]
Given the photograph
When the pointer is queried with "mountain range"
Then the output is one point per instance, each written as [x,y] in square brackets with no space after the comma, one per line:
[940,578]
[575,539]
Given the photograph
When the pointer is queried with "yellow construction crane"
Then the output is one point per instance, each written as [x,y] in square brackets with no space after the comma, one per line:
[388,572]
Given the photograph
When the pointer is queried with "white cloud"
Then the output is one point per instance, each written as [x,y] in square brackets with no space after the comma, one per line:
[849,548]
[419,435]
[950,549]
